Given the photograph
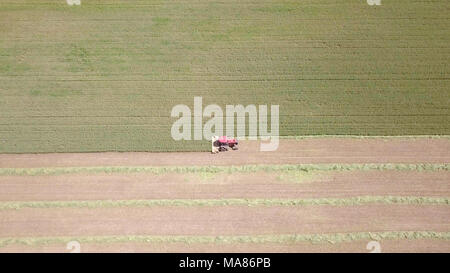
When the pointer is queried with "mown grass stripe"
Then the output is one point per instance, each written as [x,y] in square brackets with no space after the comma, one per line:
[224,169]
[332,238]
[409,137]
[351,201]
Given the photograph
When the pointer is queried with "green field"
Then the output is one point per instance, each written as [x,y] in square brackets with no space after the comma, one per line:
[105,75]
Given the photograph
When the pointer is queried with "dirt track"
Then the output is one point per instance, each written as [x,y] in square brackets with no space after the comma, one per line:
[320,150]
[233,220]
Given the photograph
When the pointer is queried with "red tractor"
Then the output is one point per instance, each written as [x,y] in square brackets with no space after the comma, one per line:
[223,143]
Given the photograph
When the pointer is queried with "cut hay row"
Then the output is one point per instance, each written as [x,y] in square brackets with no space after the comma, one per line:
[332,238]
[224,169]
[352,201]
[409,137]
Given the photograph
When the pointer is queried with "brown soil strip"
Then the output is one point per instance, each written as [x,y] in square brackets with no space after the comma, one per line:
[222,220]
[236,185]
[320,150]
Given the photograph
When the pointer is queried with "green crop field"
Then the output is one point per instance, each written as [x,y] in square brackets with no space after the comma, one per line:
[104,76]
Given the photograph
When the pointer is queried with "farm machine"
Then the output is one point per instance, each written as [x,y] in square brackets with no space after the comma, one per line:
[223,144]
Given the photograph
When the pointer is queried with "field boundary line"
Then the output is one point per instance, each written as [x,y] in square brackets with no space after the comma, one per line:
[351,201]
[224,169]
[331,238]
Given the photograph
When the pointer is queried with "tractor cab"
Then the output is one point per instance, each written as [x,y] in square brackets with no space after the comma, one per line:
[223,143]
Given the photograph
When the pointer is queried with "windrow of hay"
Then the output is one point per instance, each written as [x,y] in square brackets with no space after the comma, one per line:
[409,137]
[332,238]
[351,201]
[224,169]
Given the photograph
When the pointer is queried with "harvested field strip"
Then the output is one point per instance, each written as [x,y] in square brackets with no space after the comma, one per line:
[258,185]
[230,202]
[225,169]
[332,238]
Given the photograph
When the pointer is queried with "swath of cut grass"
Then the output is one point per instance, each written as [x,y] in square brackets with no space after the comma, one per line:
[409,137]
[351,201]
[224,169]
[331,238]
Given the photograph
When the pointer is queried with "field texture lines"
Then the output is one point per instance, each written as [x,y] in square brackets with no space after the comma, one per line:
[259,207]
[105,75]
